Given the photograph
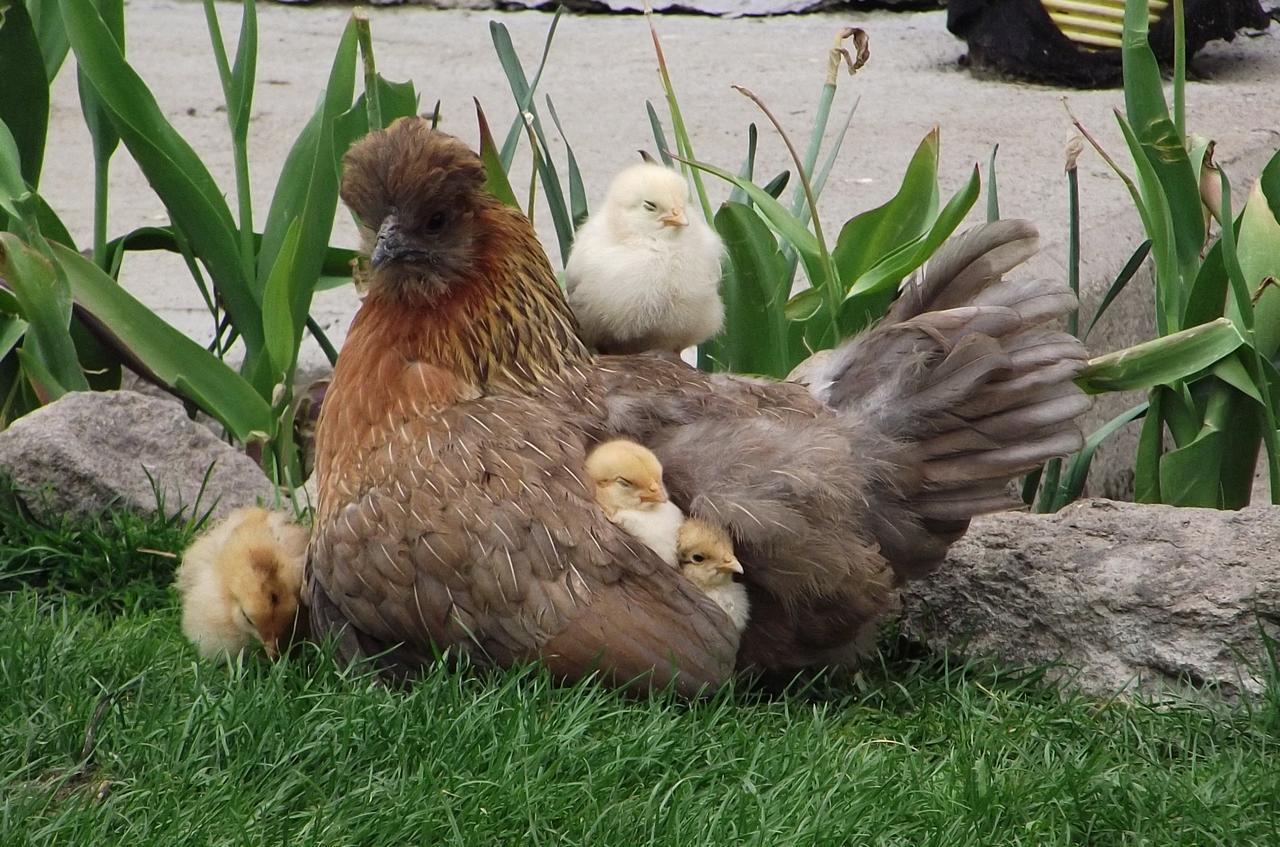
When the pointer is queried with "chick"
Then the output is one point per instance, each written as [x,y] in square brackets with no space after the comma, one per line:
[628,485]
[705,552]
[644,273]
[241,580]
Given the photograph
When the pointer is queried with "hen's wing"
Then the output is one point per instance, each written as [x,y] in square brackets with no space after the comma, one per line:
[864,475]
[473,528]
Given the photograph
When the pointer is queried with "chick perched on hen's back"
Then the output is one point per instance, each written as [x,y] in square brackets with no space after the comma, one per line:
[241,580]
[707,560]
[644,273]
[628,486]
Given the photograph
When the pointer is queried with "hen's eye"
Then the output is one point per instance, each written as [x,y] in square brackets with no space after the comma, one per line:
[436,222]
[650,206]
[698,557]
[624,482]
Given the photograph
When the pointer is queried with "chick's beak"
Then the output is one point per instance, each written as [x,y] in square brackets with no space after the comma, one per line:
[730,565]
[675,217]
[655,494]
[390,244]
[272,648]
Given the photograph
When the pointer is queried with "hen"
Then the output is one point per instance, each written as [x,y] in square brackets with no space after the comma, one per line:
[644,274]
[455,512]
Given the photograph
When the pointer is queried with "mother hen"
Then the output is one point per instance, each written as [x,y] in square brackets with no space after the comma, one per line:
[454,514]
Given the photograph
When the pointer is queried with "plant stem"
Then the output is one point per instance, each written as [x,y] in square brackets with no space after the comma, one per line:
[1179,71]
[830,285]
[1073,247]
[326,346]
[372,101]
[101,167]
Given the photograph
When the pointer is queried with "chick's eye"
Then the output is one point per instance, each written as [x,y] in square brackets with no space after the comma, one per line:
[650,206]
[623,481]
[246,617]
[698,557]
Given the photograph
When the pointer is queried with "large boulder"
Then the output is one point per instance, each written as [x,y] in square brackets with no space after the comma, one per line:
[89,451]
[1124,596]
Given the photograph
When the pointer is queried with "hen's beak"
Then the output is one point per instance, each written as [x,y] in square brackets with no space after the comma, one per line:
[390,244]
[655,494]
[674,218]
[730,565]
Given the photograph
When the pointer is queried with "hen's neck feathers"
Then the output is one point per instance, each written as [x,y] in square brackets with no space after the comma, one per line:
[505,329]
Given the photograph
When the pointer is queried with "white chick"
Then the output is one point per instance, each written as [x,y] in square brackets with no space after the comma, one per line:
[706,558]
[644,273]
[241,580]
[628,485]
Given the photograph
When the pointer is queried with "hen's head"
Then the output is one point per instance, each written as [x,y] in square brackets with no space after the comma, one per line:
[416,192]
[705,553]
[626,476]
[648,200]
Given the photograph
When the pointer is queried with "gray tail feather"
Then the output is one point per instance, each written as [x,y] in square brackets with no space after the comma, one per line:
[966,378]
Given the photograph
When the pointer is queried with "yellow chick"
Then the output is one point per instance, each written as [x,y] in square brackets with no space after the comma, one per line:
[644,273]
[628,486]
[241,580]
[705,552]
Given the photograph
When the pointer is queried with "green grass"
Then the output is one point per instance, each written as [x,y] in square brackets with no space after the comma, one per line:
[913,751]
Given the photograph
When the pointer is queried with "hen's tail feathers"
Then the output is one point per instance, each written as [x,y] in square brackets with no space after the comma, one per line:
[964,375]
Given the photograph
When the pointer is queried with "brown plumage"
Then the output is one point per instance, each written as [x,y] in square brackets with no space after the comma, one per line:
[454,510]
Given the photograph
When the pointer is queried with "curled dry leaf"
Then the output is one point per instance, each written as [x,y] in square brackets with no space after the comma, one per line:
[841,55]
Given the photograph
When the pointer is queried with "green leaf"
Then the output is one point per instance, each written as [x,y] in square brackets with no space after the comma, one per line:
[1161,145]
[1258,251]
[1153,208]
[1078,471]
[747,172]
[495,175]
[993,192]
[12,328]
[173,358]
[1122,279]
[46,18]
[867,238]
[507,55]
[1162,361]
[892,268]
[577,190]
[279,299]
[45,302]
[13,188]
[24,94]
[804,305]
[189,192]
[96,115]
[660,135]
[778,218]
[1189,475]
[754,290]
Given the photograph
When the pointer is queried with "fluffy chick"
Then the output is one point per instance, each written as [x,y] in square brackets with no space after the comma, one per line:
[628,486]
[241,580]
[644,273]
[706,557]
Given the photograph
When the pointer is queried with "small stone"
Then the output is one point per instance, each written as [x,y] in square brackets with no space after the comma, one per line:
[90,451]
[1132,597]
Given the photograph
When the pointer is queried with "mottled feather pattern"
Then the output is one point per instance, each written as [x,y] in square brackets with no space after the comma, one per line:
[454,512]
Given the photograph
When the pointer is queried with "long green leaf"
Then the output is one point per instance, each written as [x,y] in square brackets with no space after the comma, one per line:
[46,18]
[1162,146]
[495,175]
[1161,361]
[1118,284]
[167,353]
[279,300]
[502,43]
[755,289]
[24,92]
[577,189]
[1154,209]
[867,238]
[660,135]
[189,192]
[1078,470]
[894,267]
[45,301]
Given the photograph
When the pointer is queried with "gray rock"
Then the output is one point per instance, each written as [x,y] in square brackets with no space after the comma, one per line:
[92,450]
[1147,598]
